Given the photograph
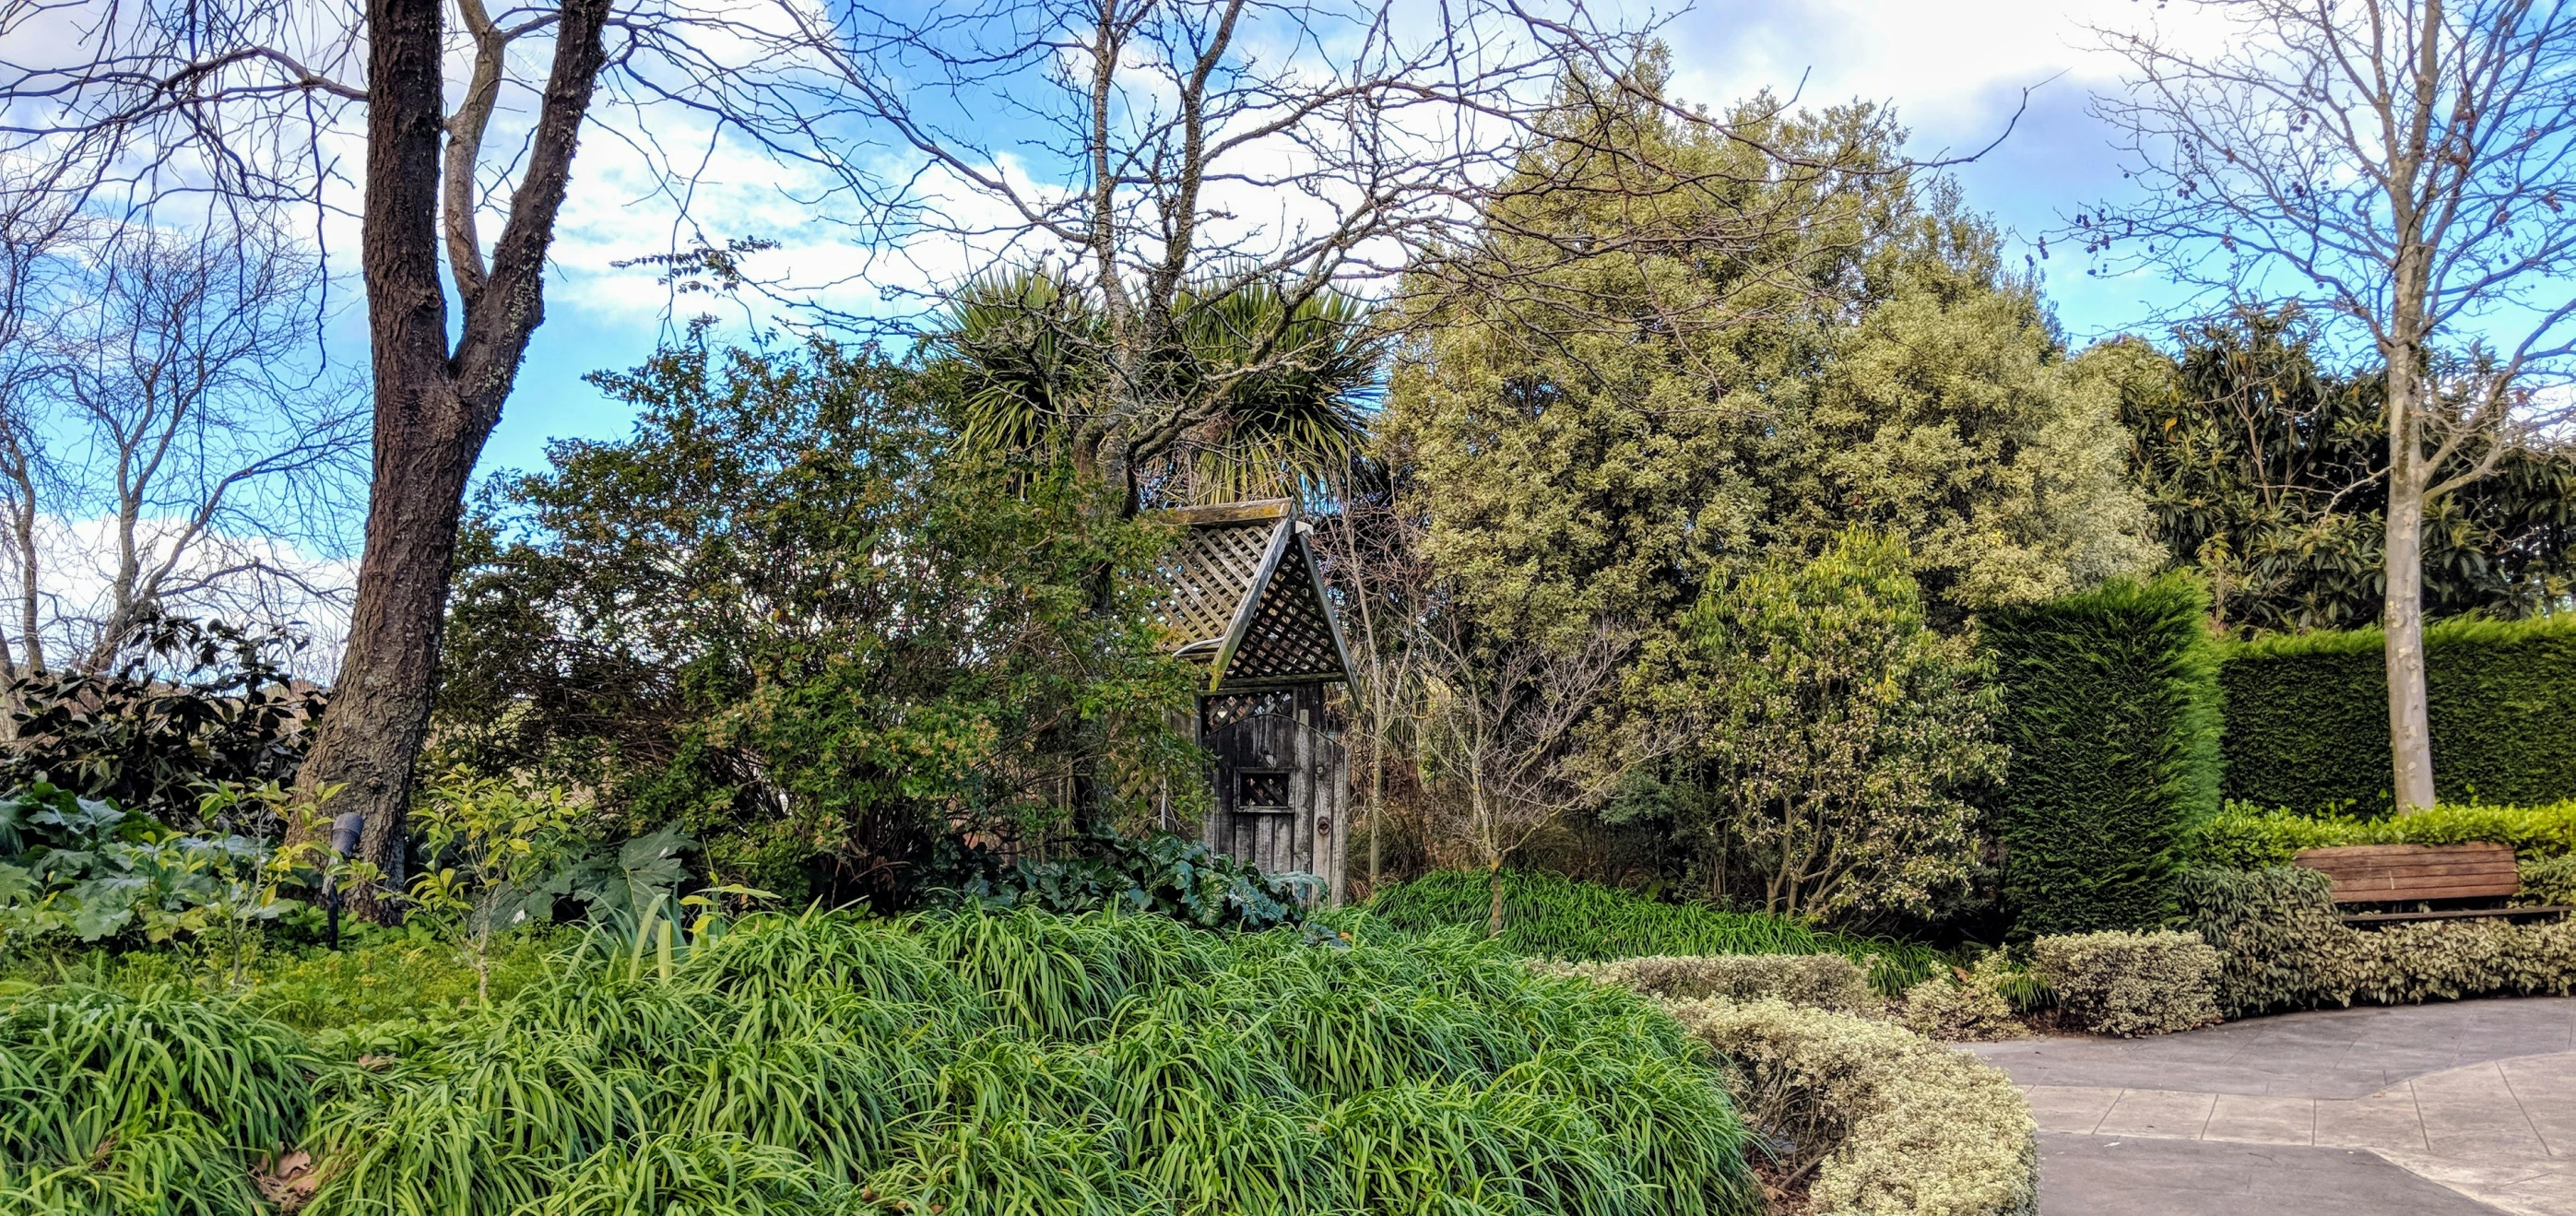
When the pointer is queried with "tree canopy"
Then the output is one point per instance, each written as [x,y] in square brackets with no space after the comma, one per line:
[793,615]
[2266,470]
[1598,435]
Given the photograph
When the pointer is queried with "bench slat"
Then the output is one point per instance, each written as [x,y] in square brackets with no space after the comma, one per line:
[2398,872]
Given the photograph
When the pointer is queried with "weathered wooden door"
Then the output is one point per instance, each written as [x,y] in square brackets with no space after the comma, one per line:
[1281,786]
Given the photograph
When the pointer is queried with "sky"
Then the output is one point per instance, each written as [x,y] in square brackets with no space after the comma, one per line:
[1955,72]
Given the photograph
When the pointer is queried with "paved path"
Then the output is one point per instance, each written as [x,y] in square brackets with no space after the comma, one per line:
[2466,1107]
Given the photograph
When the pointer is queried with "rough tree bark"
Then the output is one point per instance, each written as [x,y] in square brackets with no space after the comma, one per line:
[435,406]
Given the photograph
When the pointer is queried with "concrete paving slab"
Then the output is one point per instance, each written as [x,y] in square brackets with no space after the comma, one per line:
[2545,1087]
[2262,1120]
[2383,1121]
[2118,1176]
[2525,1188]
[2436,1109]
[2069,1108]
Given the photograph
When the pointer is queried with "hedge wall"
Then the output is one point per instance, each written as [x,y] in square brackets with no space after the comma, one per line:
[2111,708]
[2307,715]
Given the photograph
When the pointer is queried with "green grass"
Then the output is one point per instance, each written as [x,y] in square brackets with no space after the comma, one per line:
[2244,838]
[1553,916]
[1003,1064]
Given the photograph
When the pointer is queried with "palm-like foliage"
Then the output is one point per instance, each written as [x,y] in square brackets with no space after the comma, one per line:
[1237,393]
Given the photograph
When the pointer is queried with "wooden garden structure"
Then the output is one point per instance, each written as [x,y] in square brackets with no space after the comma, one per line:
[1242,596]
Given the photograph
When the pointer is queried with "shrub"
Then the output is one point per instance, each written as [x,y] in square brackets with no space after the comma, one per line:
[2111,710]
[2284,947]
[1970,1007]
[179,706]
[1163,873]
[1552,916]
[2549,880]
[1846,734]
[2131,984]
[1891,1123]
[2243,838]
[2307,714]
[1822,981]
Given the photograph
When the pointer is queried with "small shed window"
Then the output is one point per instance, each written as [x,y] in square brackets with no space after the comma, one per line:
[1261,789]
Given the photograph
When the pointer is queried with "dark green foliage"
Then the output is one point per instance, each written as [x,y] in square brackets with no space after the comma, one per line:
[792,616]
[1553,916]
[1162,873]
[186,705]
[2111,710]
[2307,715]
[83,868]
[985,1064]
[2266,474]
[2267,925]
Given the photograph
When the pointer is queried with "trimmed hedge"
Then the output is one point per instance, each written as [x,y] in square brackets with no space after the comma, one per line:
[2282,946]
[2307,714]
[1551,916]
[2132,984]
[2242,838]
[1891,1123]
[1822,981]
[2111,710]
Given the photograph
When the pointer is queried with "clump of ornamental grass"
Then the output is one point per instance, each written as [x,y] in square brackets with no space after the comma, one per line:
[966,1064]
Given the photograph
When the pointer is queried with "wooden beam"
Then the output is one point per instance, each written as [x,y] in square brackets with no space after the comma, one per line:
[1231,512]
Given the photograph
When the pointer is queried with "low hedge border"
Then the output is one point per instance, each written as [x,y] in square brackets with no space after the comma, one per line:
[1886,1122]
[2244,838]
[2131,984]
[1878,1119]
[2282,946]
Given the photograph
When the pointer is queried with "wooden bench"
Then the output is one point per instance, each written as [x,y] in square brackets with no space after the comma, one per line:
[2413,873]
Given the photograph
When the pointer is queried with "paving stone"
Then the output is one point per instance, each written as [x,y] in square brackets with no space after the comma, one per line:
[2117,1176]
[2069,1108]
[2387,1121]
[2262,1120]
[2160,1113]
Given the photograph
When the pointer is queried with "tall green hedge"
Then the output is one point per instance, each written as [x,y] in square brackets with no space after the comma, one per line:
[2111,710]
[2307,715]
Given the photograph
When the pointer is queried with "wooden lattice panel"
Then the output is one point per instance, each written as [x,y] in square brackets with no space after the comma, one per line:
[1206,577]
[1291,632]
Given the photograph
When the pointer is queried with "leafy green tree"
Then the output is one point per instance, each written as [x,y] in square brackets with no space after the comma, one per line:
[795,617]
[1755,358]
[2268,473]
[1845,734]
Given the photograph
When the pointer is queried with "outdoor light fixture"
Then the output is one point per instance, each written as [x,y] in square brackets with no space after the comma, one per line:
[345,830]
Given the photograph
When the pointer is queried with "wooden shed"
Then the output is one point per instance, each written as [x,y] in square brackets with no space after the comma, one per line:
[1243,597]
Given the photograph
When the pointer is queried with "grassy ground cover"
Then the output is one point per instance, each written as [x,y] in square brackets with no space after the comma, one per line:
[825,1064]
[1552,916]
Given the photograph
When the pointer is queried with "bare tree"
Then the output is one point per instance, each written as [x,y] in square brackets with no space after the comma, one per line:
[1506,738]
[1373,558]
[38,228]
[2404,167]
[175,442]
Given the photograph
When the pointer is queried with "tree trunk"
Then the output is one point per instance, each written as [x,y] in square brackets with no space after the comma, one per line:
[1494,914]
[2410,735]
[433,409]
[426,442]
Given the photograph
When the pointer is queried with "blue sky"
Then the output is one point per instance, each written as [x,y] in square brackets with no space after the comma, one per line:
[1954,70]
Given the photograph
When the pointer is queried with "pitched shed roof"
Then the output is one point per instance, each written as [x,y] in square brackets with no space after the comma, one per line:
[1242,594]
